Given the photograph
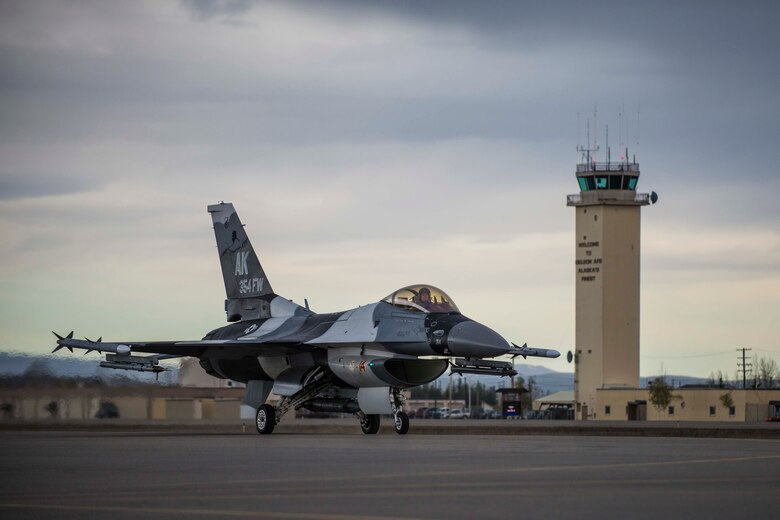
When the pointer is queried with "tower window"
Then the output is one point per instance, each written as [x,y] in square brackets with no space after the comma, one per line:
[732,411]
[607,410]
[712,411]
[632,183]
[601,183]
[671,410]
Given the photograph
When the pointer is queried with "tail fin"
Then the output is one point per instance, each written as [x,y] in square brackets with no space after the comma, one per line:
[245,280]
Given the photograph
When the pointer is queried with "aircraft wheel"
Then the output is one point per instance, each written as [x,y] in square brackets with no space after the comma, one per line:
[265,420]
[370,424]
[401,423]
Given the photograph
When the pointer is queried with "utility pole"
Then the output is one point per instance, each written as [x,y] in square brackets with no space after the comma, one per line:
[744,366]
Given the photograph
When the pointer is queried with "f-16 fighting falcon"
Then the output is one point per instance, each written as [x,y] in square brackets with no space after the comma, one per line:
[356,361]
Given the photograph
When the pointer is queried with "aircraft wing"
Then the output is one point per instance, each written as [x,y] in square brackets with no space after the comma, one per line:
[171,349]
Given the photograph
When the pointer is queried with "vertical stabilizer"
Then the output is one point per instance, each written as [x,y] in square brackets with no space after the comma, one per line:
[245,280]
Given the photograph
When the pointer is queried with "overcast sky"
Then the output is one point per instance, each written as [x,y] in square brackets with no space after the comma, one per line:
[370,145]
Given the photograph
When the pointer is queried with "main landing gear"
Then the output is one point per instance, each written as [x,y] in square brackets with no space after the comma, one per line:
[314,396]
[369,422]
[265,419]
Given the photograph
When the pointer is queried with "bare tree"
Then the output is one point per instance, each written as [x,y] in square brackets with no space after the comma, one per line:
[767,372]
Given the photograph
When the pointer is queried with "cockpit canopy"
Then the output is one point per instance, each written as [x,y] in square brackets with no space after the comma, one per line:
[422,298]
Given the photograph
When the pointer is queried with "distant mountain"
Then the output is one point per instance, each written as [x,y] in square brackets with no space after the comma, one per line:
[676,381]
[68,365]
[72,366]
[527,370]
[550,381]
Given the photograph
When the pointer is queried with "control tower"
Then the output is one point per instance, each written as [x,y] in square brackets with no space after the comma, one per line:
[607,269]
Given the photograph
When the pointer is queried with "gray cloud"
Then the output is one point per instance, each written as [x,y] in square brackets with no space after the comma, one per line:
[384,140]
[25,185]
[210,9]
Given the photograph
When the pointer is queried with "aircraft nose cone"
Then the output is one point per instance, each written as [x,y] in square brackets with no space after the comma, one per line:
[472,339]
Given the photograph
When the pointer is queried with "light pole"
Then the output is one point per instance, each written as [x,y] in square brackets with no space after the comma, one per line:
[449,401]
[468,388]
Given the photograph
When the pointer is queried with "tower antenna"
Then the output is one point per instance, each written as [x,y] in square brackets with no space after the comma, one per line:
[579,141]
[587,151]
[620,129]
[628,139]
[638,108]
[595,127]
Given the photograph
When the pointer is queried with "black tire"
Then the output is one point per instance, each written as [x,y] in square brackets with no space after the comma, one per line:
[265,419]
[401,423]
[370,425]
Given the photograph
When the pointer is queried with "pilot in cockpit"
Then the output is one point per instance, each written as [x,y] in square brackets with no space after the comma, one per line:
[424,298]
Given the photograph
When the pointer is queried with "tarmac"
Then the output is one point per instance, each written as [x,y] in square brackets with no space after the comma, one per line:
[162,473]
[349,425]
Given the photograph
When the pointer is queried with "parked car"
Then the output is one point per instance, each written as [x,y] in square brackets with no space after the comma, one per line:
[435,413]
[419,413]
[495,414]
[457,413]
[478,413]
[107,410]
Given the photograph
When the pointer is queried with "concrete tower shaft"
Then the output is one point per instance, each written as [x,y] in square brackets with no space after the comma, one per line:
[607,268]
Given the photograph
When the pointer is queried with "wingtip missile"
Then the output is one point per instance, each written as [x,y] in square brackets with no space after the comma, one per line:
[534,352]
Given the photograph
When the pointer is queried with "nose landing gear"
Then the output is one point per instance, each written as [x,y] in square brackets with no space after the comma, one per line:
[401,420]
[369,423]
[401,423]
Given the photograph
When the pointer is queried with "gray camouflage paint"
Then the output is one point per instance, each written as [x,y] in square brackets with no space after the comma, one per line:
[272,338]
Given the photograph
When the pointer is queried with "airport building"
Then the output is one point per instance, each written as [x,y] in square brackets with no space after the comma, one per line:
[140,402]
[690,403]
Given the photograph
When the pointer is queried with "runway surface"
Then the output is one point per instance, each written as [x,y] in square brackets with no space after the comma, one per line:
[311,476]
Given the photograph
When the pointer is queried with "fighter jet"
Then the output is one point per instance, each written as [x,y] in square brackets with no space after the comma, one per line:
[356,361]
